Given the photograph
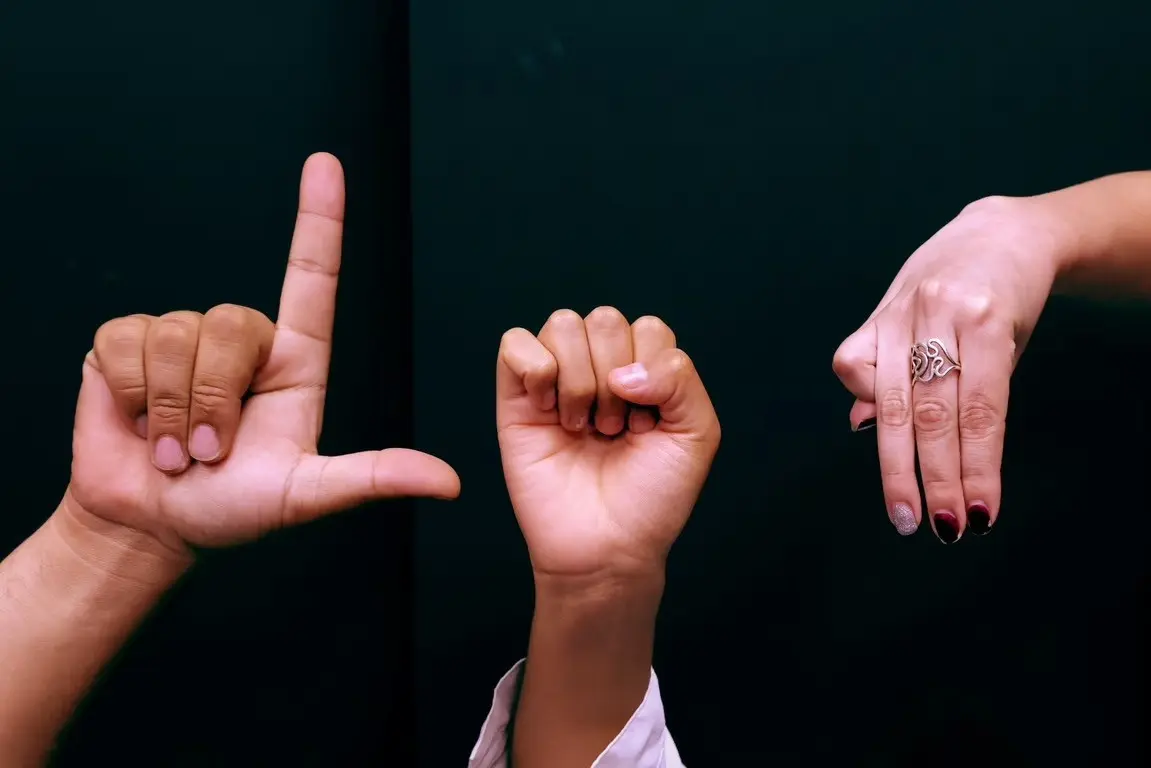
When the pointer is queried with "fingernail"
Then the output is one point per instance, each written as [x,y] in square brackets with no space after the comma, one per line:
[865,424]
[205,443]
[167,454]
[549,400]
[631,376]
[610,425]
[142,425]
[946,526]
[979,519]
[903,518]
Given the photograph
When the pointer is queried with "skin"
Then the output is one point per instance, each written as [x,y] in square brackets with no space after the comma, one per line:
[979,285]
[168,455]
[600,496]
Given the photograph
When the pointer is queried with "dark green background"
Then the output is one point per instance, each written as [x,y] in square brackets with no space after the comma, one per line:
[753,172]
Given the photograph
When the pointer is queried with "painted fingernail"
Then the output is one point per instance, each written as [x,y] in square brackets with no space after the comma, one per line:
[946,526]
[167,454]
[979,519]
[205,443]
[631,376]
[903,518]
[865,424]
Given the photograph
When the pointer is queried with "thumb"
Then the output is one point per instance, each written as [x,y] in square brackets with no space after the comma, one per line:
[321,485]
[670,383]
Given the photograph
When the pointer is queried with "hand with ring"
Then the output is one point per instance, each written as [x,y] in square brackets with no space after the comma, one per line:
[932,365]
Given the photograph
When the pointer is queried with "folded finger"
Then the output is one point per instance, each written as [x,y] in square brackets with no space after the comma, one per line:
[234,342]
[525,369]
[855,360]
[118,353]
[609,342]
[169,361]
[564,336]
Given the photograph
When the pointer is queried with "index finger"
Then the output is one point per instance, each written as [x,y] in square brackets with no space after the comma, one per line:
[308,299]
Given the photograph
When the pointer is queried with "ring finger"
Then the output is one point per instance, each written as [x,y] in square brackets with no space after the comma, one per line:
[934,399]
[169,362]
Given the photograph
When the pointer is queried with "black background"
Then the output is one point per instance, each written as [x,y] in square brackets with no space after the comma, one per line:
[753,172]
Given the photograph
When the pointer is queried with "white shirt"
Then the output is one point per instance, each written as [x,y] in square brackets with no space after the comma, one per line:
[643,743]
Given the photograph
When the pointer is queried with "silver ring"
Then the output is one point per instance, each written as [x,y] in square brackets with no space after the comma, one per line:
[931,360]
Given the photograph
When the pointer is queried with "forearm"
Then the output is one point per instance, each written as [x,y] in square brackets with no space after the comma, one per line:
[69,597]
[588,668]
[1104,231]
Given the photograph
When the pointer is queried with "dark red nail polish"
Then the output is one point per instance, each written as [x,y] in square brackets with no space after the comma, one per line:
[979,519]
[865,424]
[946,527]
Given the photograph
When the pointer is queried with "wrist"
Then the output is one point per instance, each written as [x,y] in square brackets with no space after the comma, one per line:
[1036,228]
[99,550]
[595,592]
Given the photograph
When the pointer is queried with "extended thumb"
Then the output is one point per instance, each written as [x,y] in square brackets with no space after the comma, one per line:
[321,485]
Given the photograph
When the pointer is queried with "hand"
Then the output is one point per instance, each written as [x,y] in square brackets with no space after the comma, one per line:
[601,496]
[165,443]
[978,286]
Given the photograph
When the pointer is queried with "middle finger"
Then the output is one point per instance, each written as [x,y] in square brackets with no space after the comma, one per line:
[609,341]
[934,399]
[169,360]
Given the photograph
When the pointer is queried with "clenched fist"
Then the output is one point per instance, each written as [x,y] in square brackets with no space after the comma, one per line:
[607,435]
[202,430]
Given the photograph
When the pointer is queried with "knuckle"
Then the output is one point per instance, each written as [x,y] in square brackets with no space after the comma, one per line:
[605,318]
[168,406]
[175,331]
[931,289]
[651,324]
[933,416]
[679,363]
[540,372]
[976,308]
[893,409]
[228,320]
[979,417]
[565,320]
[847,360]
[210,392]
[121,333]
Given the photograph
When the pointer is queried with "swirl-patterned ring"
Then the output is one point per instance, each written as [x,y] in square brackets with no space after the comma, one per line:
[931,360]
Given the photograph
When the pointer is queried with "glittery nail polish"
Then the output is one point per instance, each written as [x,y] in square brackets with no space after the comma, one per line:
[946,526]
[979,519]
[903,518]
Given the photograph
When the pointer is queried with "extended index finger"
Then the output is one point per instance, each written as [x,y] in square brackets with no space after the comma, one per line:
[308,299]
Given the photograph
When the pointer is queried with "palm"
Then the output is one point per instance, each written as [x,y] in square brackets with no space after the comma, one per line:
[583,500]
[237,500]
